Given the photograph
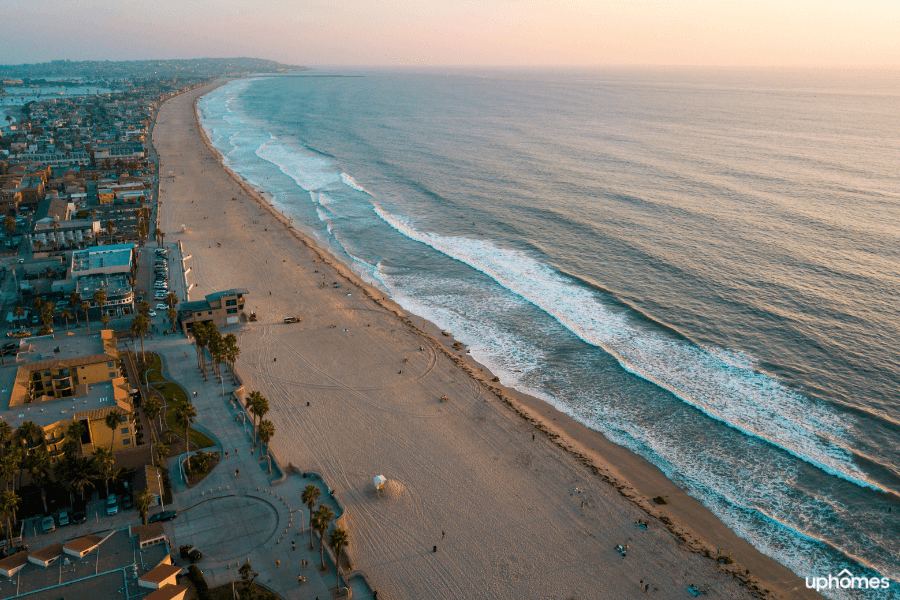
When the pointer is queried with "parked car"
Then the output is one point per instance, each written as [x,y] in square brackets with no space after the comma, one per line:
[152,313]
[162,306]
[48,525]
[112,505]
[79,514]
[63,518]
[292,319]
[190,553]
[166,515]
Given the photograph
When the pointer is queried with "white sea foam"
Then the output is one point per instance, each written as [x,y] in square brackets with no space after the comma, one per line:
[308,171]
[728,390]
[351,183]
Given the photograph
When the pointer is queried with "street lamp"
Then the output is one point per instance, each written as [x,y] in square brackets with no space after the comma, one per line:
[159,480]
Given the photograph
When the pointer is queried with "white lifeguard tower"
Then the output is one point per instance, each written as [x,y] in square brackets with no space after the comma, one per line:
[380,480]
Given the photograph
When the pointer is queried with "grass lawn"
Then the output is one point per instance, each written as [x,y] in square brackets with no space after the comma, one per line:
[154,366]
[172,390]
[195,436]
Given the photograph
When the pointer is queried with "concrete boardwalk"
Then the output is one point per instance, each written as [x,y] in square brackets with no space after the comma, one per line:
[253,515]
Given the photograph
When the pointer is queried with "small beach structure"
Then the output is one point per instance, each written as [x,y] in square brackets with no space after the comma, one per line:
[380,480]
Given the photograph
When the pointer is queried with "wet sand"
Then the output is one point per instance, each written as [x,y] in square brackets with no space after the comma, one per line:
[520,501]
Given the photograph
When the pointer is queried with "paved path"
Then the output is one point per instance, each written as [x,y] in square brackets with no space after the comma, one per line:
[232,518]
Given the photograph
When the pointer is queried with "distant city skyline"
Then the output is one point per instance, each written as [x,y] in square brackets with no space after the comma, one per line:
[763,33]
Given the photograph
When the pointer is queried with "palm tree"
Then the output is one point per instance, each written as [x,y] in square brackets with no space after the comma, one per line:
[29,432]
[201,333]
[171,299]
[9,503]
[322,520]
[232,352]
[5,436]
[40,467]
[162,451]
[144,307]
[85,305]
[18,312]
[160,236]
[112,422]
[66,314]
[173,315]
[248,577]
[309,496]
[103,464]
[77,473]
[266,432]
[75,301]
[151,408]
[140,325]
[9,466]
[143,502]
[185,413]
[258,407]
[104,320]
[110,229]
[338,540]
[99,299]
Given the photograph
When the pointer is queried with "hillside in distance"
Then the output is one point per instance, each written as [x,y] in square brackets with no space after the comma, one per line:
[193,68]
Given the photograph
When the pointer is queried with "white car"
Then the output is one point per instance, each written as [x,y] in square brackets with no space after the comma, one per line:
[162,307]
[152,313]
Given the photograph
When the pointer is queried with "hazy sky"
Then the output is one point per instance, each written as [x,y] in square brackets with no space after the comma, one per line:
[467,32]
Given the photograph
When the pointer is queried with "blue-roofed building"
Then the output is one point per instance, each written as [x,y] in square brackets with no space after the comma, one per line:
[222,308]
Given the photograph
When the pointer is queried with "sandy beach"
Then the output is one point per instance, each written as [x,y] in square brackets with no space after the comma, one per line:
[518,499]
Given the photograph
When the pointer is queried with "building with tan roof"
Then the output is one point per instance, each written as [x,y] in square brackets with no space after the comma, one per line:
[82,546]
[46,556]
[11,565]
[149,534]
[170,592]
[159,577]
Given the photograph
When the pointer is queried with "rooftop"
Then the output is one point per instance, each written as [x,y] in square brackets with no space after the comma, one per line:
[101,256]
[84,544]
[170,592]
[44,348]
[114,284]
[99,398]
[160,573]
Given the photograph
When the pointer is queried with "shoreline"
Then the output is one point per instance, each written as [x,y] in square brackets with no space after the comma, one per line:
[633,478]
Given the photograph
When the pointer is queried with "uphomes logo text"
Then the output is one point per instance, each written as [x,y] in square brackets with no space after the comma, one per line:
[845,580]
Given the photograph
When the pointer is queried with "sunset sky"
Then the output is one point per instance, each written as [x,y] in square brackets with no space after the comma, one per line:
[467,32]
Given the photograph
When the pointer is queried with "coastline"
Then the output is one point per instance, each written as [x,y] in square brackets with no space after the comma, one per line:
[632,477]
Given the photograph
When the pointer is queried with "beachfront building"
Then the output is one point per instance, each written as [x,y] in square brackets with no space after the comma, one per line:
[222,308]
[56,381]
[102,260]
[119,293]
[57,234]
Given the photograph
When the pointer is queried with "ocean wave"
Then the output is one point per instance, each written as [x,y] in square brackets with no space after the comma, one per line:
[723,384]
[351,183]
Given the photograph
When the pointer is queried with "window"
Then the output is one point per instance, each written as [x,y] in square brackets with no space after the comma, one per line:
[123,418]
[110,365]
[112,375]
[231,303]
[126,430]
[231,311]
[209,313]
[126,442]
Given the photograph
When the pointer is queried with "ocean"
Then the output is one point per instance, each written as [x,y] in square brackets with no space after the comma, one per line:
[702,265]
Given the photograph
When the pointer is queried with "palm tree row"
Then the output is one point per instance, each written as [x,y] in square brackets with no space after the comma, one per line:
[320,520]
[221,348]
